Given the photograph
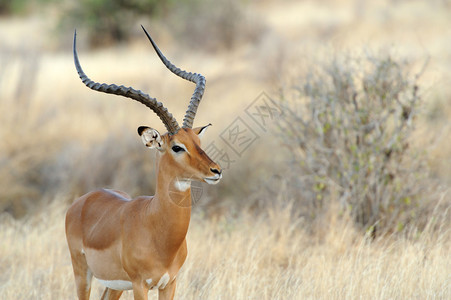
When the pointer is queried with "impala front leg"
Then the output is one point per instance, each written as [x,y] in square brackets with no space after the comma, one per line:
[168,292]
[140,291]
[83,275]
[110,294]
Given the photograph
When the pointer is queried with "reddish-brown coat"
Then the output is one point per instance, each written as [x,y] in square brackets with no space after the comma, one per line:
[115,238]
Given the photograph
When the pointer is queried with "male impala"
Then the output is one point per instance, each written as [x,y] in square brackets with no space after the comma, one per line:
[140,244]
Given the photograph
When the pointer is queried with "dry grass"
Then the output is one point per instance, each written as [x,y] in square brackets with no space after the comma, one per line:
[268,256]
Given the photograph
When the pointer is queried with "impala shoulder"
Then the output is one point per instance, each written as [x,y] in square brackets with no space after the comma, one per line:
[119,194]
[140,204]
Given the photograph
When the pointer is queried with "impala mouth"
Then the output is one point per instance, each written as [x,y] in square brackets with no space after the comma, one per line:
[213,180]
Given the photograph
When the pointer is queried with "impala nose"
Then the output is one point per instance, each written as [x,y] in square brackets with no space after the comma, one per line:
[216,171]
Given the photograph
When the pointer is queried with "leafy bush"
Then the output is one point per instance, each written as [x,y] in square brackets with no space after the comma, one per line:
[213,25]
[22,7]
[347,127]
[8,7]
[110,20]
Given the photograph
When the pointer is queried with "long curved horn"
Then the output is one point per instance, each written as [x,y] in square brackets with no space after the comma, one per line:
[168,120]
[198,79]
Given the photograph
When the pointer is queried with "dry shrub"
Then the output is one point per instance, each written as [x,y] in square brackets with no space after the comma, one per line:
[347,126]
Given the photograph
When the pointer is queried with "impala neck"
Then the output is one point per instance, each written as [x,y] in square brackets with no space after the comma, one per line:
[173,204]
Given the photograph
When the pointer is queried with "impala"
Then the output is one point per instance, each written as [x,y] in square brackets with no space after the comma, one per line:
[140,243]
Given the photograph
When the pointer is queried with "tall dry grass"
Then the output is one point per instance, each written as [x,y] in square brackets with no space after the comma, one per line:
[264,256]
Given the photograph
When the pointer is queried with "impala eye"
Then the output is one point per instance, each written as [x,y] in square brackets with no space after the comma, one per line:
[177,149]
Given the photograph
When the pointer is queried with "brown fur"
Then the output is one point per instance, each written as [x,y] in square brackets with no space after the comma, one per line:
[115,238]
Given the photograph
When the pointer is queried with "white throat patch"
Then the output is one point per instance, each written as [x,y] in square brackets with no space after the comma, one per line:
[182,185]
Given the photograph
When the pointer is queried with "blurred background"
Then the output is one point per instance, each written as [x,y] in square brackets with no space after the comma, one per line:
[330,120]
[361,89]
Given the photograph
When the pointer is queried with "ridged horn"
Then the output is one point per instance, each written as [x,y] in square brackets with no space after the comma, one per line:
[168,120]
[198,79]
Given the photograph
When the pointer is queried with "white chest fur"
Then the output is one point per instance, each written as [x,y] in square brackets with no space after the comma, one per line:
[164,280]
[120,285]
[123,285]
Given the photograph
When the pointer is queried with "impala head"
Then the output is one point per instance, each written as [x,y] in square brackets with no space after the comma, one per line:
[182,154]
[179,148]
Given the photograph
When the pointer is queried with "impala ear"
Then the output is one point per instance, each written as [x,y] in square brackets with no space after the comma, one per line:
[201,130]
[151,137]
